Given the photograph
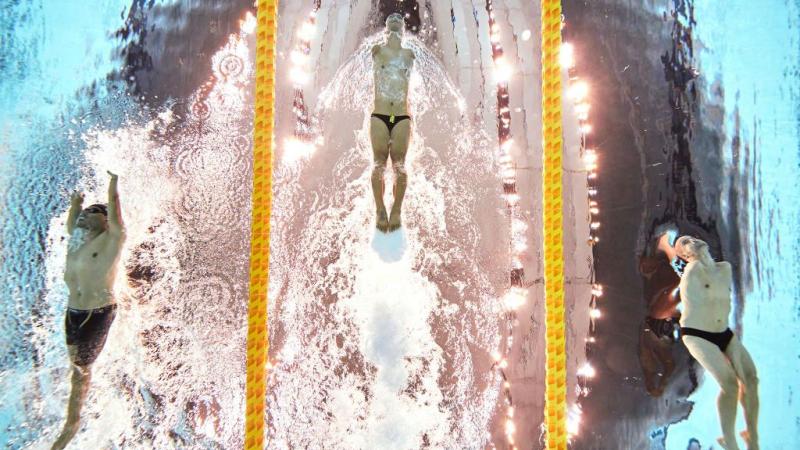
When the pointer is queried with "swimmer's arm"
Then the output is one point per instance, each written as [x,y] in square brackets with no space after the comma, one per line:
[663,245]
[688,273]
[115,225]
[76,204]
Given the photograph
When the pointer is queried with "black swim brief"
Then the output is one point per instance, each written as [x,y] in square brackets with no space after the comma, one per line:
[721,339]
[87,329]
[390,121]
[662,328]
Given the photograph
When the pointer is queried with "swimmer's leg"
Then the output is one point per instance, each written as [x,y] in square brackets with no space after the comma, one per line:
[398,148]
[717,364]
[379,135]
[748,389]
[81,377]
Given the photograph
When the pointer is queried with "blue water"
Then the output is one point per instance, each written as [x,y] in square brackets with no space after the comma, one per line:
[753,50]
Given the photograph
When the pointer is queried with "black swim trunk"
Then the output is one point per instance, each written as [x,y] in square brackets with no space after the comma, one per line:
[721,339]
[390,121]
[87,329]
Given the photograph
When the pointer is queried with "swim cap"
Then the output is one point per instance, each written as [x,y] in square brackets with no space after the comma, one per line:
[98,208]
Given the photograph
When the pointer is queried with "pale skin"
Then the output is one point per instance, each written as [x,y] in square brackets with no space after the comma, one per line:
[392,67]
[706,295]
[89,273]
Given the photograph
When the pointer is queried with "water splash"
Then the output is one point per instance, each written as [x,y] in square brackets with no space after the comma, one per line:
[370,353]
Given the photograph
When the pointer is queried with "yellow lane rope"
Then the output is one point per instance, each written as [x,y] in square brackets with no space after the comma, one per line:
[555,373]
[257,337]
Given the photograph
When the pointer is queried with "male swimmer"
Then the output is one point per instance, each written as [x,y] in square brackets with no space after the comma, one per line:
[96,237]
[706,295]
[390,123]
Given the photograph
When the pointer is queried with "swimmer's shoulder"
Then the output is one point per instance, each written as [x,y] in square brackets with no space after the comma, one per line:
[725,267]
[690,267]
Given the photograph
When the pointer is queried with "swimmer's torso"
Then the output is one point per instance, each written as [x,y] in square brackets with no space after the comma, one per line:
[706,296]
[392,70]
[90,272]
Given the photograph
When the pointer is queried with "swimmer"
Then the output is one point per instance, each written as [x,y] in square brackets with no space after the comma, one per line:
[706,295]
[390,124]
[96,237]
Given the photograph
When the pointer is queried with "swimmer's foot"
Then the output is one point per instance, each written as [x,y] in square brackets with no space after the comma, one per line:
[752,444]
[725,446]
[69,431]
[394,221]
[381,221]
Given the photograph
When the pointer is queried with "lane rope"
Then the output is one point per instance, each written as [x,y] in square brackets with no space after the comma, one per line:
[555,372]
[257,333]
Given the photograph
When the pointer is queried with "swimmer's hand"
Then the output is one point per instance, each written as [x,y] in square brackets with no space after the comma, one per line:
[76,204]
[76,198]
[112,175]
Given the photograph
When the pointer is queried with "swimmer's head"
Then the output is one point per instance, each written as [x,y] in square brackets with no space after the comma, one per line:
[395,23]
[694,444]
[93,218]
[690,248]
